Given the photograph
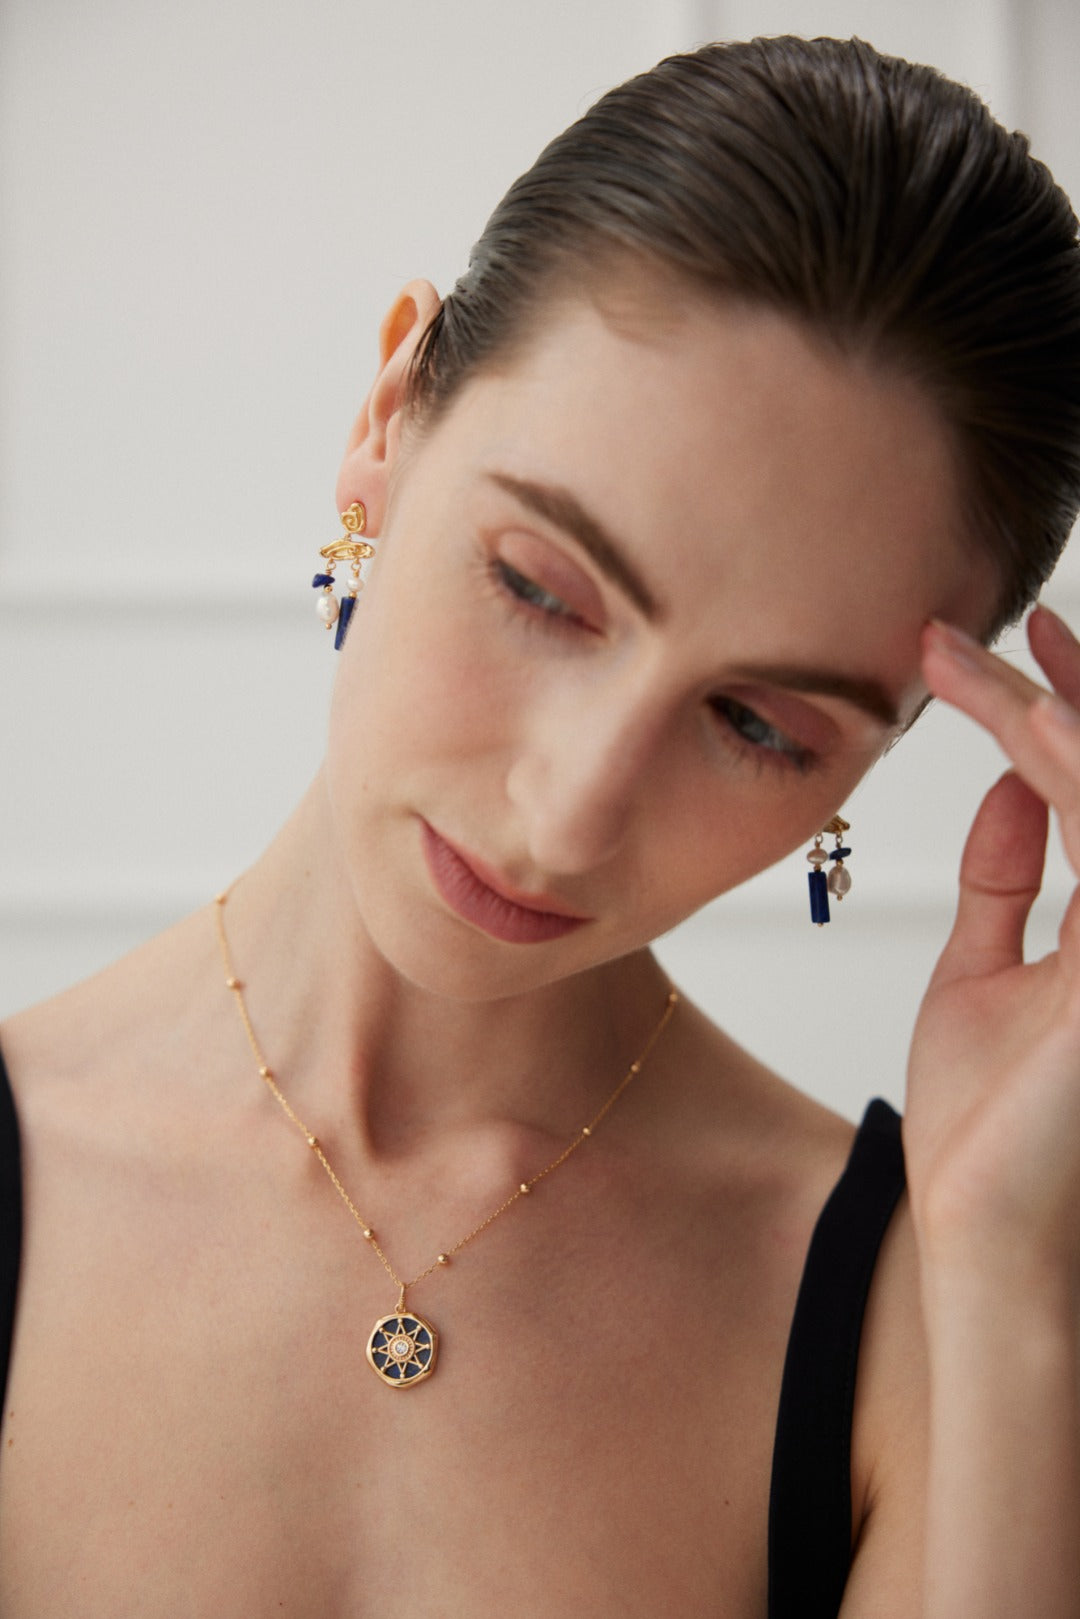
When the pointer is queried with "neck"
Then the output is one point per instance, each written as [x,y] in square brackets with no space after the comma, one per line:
[393,1067]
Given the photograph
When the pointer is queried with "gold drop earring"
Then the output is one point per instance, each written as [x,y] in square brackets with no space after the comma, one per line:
[838,882]
[353,550]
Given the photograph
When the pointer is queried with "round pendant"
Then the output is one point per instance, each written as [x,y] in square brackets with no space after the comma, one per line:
[402,1349]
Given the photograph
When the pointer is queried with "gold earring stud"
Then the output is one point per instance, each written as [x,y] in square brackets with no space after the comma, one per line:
[350,548]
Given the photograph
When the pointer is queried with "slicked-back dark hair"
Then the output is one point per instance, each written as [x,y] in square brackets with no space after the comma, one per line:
[875,200]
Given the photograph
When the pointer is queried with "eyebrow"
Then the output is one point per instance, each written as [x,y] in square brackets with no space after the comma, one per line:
[560,507]
[563,509]
[865,693]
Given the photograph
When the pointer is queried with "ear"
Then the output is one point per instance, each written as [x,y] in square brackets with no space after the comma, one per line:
[373,441]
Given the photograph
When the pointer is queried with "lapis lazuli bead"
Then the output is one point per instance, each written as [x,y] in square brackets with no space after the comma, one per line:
[839,854]
[348,603]
[819,897]
[322,579]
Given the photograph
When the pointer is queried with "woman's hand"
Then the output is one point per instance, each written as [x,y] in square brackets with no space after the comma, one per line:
[992,1142]
[992,1129]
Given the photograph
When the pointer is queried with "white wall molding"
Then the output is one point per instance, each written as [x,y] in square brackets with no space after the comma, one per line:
[50,895]
[225,601]
[232,596]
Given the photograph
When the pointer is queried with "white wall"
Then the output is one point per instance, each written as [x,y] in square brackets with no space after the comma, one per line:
[206,209]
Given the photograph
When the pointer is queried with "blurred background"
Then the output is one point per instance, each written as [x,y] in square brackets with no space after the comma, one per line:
[206,209]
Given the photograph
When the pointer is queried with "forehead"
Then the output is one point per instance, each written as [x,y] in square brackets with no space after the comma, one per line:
[750,469]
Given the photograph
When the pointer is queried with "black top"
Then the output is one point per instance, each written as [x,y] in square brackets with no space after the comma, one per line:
[810,1503]
[810,1500]
[10,1219]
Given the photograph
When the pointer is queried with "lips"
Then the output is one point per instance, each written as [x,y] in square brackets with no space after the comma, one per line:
[481,897]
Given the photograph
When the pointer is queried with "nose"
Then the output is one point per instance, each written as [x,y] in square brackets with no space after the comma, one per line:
[580,778]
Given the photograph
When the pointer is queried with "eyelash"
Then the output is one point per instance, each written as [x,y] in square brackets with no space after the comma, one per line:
[544,609]
[526,596]
[773,747]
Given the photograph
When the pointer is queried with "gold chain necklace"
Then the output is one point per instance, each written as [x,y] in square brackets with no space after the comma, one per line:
[403,1346]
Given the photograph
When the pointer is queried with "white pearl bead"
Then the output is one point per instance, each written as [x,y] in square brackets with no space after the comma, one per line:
[327,607]
[817,857]
[839,881]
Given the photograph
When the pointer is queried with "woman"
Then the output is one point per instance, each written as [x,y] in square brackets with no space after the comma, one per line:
[395,1240]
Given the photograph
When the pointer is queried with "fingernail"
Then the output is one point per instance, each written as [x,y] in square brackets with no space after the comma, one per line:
[1056,623]
[1062,716]
[955,644]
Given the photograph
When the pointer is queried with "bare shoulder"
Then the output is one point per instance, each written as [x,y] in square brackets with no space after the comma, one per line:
[794,1151]
[890,1437]
[752,1124]
[96,1060]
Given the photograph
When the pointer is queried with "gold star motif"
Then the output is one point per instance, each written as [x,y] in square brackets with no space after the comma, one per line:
[398,1342]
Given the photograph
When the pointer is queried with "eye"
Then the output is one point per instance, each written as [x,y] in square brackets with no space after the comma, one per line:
[755,736]
[524,589]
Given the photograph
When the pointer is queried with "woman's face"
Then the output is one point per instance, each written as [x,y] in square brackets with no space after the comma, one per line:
[646,605]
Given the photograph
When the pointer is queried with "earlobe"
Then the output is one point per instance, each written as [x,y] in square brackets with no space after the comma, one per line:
[374,437]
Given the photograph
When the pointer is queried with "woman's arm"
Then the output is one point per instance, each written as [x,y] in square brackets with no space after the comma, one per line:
[992,1139]
[1003,1503]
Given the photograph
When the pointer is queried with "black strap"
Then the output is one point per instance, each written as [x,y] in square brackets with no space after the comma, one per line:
[810,1500]
[10,1219]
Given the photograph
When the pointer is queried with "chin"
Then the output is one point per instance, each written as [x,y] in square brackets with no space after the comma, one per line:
[474,979]
[444,957]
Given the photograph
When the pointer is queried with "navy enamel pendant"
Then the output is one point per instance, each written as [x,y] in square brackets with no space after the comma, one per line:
[402,1349]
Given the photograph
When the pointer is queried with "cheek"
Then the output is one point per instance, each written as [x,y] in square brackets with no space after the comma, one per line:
[424,682]
[704,831]
[707,855]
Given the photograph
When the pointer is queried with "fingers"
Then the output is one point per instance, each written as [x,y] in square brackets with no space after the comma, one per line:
[1000,875]
[1057,653]
[1039,733]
